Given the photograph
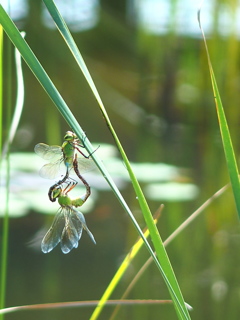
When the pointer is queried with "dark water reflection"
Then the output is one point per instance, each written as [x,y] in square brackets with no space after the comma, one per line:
[158,95]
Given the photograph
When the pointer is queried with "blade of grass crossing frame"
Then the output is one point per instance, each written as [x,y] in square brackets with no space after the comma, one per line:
[3,266]
[1,83]
[6,154]
[53,93]
[225,134]
[120,272]
[165,265]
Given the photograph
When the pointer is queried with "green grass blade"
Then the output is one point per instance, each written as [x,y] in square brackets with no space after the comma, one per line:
[5,156]
[18,105]
[4,244]
[162,262]
[165,266]
[118,275]
[81,304]
[61,25]
[49,87]
[175,233]
[225,134]
[1,84]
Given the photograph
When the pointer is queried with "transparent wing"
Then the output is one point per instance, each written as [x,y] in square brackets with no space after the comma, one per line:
[85,165]
[48,152]
[52,170]
[77,224]
[79,216]
[70,237]
[53,236]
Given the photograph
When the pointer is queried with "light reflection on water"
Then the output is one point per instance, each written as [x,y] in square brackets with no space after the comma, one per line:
[18,8]
[28,191]
[79,15]
[163,16]
[153,16]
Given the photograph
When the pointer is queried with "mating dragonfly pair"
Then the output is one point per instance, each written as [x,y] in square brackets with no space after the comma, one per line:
[69,222]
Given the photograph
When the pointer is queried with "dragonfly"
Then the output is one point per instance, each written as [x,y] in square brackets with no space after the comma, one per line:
[68,223]
[73,183]
[63,155]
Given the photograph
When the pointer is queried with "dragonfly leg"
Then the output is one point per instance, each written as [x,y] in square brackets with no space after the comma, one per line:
[71,183]
[89,156]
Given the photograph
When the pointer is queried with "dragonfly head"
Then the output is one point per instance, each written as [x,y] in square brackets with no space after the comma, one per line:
[56,193]
[70,136]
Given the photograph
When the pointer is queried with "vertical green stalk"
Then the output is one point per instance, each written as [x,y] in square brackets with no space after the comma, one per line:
[1,91]
[223,126]
[11,126]
[3,274]
[3,261]
[5,244]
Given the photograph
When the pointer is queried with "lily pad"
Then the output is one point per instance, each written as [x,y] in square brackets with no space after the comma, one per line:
[171,191]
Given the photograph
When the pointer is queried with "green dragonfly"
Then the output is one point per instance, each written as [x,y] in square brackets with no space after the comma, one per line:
[73,183]
[69,222]
[62,158]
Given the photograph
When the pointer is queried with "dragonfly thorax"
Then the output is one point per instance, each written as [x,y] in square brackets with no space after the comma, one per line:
[68,150]
[64,200]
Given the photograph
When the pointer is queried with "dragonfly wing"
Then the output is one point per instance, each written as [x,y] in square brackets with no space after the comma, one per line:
[82,220]
[48,152]
[78,225]
[51,170]
[90,235]
[53,236]
[69,238]
[85,165]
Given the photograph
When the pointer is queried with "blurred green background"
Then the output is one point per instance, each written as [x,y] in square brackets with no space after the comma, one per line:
[149,64]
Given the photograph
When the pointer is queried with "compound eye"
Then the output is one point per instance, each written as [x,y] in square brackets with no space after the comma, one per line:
[55,193]
[69,136]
